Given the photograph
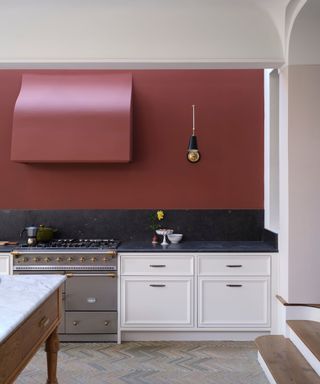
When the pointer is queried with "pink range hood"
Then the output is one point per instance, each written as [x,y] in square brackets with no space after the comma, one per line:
[73,118]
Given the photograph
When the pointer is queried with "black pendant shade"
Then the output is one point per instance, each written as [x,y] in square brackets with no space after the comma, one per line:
[193,154]
[193,144]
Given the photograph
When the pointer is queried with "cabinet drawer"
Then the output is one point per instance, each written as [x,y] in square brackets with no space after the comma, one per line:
[234,302]
[162,265]
[91,322]
[41,321]
[234,265]
[157,302]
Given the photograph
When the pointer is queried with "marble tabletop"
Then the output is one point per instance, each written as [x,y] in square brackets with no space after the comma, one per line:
[20,295]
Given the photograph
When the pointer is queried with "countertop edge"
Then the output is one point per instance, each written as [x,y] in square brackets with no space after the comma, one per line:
[200,247]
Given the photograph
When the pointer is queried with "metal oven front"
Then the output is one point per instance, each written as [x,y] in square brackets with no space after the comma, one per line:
[89,298]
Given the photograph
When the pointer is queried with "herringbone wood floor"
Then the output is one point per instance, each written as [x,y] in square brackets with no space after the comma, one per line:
[151,363]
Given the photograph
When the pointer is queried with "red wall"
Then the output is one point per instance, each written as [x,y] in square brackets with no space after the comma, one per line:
[229,124]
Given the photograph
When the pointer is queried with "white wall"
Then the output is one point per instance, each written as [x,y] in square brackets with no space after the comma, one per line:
[300,156]
[271,150]
[283,184]
[304,183]
[131,33]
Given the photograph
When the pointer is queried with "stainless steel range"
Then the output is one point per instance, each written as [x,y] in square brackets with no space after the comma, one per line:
[90,292]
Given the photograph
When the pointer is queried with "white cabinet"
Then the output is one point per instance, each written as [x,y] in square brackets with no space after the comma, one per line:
[234,302]
[195,292]
[157,302]
[157,291]
[234,291]
[5,263]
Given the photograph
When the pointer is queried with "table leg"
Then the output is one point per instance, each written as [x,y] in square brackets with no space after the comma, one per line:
[52,348]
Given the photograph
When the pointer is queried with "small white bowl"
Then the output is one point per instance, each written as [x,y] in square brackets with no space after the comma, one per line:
[175,238]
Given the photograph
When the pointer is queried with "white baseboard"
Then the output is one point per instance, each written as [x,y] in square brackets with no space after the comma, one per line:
[190,336]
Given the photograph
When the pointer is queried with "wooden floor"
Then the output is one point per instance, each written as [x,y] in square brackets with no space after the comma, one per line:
[309,332]
[285,362]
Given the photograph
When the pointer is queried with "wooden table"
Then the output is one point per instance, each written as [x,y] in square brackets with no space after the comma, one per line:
[23,342]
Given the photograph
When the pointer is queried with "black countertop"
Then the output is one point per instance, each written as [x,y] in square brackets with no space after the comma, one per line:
[188,246]
[199,246]
[6,248]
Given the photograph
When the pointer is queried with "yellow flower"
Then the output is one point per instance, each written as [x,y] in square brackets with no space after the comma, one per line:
[160,215]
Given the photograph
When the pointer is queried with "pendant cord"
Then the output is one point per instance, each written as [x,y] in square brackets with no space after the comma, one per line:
[193,120]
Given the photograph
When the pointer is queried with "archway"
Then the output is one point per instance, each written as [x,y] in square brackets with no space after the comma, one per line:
[300,158]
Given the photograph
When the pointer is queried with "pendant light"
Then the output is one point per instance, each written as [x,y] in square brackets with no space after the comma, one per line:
[193,154]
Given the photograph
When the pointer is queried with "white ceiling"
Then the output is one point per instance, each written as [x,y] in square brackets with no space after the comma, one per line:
[243,33]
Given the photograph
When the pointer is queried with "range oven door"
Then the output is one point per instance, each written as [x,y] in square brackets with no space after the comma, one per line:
[91,303]
[91,291]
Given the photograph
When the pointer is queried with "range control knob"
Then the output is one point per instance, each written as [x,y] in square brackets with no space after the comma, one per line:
[82,259]
[93,259]
[59,259]
[106,259]
[36,259]
[25,259]
[47,259]
[70,258]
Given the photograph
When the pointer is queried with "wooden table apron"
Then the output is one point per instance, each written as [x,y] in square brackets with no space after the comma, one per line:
[22,344]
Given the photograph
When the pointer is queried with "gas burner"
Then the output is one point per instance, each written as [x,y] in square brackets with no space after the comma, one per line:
[80,243]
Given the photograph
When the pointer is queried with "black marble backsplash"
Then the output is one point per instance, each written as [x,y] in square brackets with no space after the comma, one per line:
[122,224]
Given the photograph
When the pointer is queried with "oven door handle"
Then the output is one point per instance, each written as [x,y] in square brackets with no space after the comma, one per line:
[91,274]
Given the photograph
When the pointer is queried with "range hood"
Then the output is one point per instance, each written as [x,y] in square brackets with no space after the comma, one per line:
[73,118]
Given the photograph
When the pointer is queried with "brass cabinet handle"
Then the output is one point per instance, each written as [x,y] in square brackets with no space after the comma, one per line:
[91,274]
[44,322]
[111,275]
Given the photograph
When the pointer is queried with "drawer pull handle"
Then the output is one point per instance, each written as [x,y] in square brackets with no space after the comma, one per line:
[113,275]
[44,322]
[234,266]
[234,285]
[157,285]
[157,265]
[75,323]
[106,323]
[91,300]
[91,274]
